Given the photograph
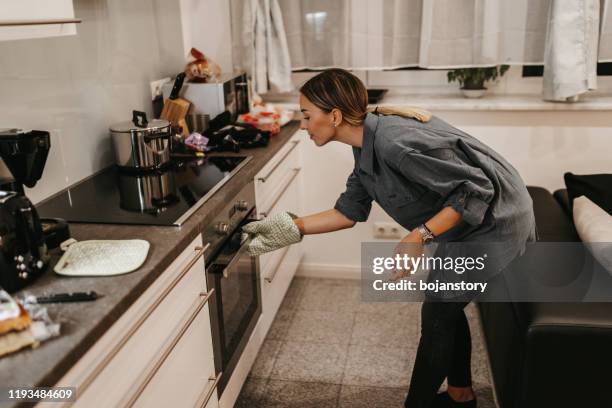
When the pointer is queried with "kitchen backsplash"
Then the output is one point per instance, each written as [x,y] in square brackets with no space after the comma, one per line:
[77,86]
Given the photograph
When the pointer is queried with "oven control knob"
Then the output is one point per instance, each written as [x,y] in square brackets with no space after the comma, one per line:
[242,205]
[222,228]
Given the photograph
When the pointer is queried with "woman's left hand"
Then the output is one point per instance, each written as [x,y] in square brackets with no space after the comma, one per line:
[411,246]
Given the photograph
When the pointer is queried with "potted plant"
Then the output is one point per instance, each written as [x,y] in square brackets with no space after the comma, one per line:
[472,79]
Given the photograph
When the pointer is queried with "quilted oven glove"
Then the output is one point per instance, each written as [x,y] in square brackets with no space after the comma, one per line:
[274,232]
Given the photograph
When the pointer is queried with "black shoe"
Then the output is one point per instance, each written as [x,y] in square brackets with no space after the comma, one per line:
[443,400]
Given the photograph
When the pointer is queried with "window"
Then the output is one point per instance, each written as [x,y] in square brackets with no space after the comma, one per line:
[603,69]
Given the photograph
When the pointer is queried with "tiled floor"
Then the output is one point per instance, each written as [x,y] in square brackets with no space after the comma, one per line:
[328,349]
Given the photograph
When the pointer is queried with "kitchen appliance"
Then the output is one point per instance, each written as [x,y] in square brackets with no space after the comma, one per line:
[23,251]
[165,196]
[23,155]
[235,307]
[140,144]
[230,93]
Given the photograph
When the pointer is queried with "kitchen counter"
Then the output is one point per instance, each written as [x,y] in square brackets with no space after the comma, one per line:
[82,324]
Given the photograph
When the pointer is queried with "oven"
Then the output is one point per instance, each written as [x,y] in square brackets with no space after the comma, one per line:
[236,305]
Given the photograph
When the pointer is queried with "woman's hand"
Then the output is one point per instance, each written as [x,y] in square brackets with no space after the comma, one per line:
[272,233]
[411,246]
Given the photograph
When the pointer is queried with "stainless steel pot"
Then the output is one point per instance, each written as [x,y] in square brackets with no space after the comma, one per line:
[141,144]
[147,192]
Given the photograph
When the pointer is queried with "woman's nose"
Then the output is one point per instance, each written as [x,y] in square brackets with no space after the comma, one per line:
[303,125]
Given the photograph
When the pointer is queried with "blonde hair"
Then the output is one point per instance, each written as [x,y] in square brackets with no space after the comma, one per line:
[337,88]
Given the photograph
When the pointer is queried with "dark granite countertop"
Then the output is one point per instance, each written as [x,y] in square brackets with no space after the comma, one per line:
[82,324]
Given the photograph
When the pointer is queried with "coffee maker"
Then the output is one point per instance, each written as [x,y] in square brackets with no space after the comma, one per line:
[23,250]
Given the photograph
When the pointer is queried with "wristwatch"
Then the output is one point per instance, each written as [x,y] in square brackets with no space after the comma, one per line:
[426,235]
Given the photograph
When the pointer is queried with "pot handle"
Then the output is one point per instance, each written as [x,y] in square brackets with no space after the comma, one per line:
[139,119]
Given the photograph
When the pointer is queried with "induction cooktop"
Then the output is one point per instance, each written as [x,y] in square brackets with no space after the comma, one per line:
[161,197]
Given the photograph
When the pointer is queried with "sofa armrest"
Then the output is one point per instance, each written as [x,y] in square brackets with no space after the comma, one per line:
[563,199]
[552,222]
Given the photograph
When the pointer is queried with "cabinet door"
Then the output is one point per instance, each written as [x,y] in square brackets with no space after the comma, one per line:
[36,10]
[186,377]
[278,267]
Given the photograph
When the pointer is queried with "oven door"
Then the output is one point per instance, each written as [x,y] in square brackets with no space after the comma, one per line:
[236,306]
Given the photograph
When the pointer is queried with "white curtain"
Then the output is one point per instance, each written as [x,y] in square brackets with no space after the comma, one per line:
[259,44]
[375,34]
[569,37]
[570,58]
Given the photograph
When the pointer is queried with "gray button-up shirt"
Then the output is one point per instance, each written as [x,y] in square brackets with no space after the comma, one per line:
[415,169]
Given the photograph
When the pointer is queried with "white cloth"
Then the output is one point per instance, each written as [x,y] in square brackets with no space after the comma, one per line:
[570,58]
[594,226]
[260,44]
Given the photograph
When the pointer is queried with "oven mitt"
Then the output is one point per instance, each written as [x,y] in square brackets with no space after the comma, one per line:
[274,232]
[101,257]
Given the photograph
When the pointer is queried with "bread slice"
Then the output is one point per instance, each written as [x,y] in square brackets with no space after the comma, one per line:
[11,342]
[21,322]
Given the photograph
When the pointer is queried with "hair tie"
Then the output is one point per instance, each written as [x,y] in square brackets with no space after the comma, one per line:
[376,110]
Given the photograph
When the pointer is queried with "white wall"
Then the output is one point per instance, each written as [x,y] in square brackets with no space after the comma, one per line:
[76,87]
[206,26]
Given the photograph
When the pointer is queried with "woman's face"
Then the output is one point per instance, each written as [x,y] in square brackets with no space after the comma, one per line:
[320,125]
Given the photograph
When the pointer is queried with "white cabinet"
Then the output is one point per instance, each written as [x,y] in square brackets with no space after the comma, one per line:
[159,353]
[279,187]
[19,19]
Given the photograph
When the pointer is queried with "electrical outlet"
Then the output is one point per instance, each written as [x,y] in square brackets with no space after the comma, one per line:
[387,230]
[156,87]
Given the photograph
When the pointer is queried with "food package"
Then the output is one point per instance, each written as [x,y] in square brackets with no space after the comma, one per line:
[265,116]
[202,68]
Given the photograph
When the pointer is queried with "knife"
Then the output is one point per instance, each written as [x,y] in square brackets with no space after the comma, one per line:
[68,297]
[178,84]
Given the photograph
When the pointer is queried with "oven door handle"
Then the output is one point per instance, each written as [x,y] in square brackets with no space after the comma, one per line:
[243,248]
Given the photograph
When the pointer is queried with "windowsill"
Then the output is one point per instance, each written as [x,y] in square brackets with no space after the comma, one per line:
[491,102]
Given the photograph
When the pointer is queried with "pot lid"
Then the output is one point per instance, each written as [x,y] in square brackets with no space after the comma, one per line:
[129,127]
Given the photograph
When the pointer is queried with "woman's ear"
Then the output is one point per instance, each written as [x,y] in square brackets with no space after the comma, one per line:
[336,117]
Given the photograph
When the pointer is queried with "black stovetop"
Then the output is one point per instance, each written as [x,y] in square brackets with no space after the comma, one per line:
[162,197]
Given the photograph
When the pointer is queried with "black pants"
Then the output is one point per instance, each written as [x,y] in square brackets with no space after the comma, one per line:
[445,350]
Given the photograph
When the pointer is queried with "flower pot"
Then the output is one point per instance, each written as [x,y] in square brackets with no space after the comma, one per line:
[473,93]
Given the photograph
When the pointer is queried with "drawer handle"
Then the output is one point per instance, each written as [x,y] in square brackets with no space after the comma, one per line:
[209,393]
[267,176]
[129,333]
[271,276]
[204,297]
[285,187]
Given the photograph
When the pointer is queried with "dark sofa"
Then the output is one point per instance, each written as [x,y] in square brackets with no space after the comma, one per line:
[550,354]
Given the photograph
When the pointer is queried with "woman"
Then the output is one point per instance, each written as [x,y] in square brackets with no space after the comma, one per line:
[433,179]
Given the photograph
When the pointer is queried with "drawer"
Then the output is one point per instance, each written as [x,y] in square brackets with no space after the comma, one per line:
[268,180]
[288,199]
[111,373]
[278,267]
[186,377]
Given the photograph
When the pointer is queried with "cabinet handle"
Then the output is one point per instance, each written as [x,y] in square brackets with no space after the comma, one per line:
[271,276]
[243,248]
[170,346]
[208,394]
[267,176]
[130,332]
[285,187]
[9,23]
